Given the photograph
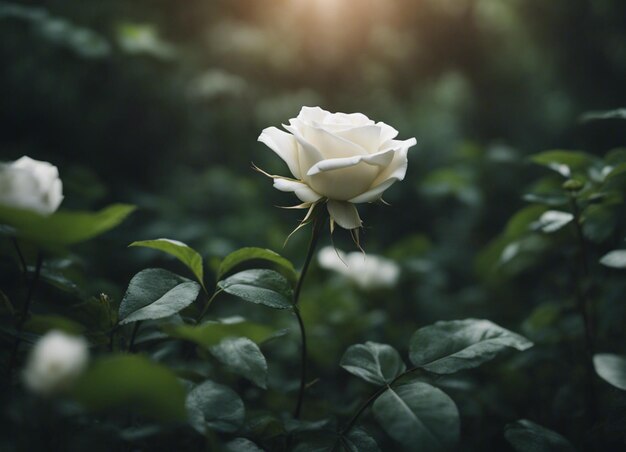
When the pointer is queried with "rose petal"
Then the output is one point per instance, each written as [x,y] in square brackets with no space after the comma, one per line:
[345,183]
[382,158]
[398,166]
[375,193]
[55,195]
[283,144]
[330,144]
[399,144]
[368,137]
[308,154]
[386,132]
[313,114]
[354,119]
[45,173]
[302,191]
[344,214]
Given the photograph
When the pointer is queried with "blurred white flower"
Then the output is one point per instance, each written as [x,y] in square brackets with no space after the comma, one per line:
[342,159]
[368,272]
[215,83]
[55,362]
[31,184]
[136,39]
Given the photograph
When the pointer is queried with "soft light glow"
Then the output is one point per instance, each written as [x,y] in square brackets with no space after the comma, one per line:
[331,29]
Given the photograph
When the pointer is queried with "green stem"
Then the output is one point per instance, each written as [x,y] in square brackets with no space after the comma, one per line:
[208,304]
[20,255]
[133,336]
[318,226]
[582,273]
[362,408]
[372,398]
[303,362]
[24,314]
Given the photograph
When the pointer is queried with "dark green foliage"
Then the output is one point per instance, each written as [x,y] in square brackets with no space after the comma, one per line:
[526,436]
[155,294]
[447,347]
[512,210]
[132,383]
[265,287]
[182,252]
[418,416]
[374,363]
[214,406]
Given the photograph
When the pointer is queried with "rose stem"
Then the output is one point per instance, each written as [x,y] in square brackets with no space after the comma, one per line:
[133,336]
[20,255]
[582,272]
[208,303]
[318,225]
[24,314]
[371,400]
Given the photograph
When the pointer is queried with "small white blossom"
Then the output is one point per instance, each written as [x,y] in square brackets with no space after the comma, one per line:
[32,185]
[368,272]
[55,362]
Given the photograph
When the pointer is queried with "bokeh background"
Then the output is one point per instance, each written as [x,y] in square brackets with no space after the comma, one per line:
[159,103]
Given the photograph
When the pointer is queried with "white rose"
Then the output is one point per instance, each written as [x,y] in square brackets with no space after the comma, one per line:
[55,362]
[345,159]
[368,272]
[32,185]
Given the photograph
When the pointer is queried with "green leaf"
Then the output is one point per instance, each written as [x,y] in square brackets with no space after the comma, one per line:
[155,293]
[243,357]
[419,416]
[553,220]
[64,227]
[242,445]
[526,436]
[619,113]
[57,280]
[512,242]
[548,199]
[188,256]
[212,406]
[599,223]
[6,307]
[563,162]
[300,426]
[259,286]
[448,347]
[614,259]
[616,175]
[263,426]
[611,368]
[132,382]
[520,223]
[357,440]
[212,333]
[374,363]
[616,156]
[246,255]
[318,442]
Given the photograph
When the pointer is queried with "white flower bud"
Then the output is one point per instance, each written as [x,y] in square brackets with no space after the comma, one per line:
[55,362]
[32,185]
